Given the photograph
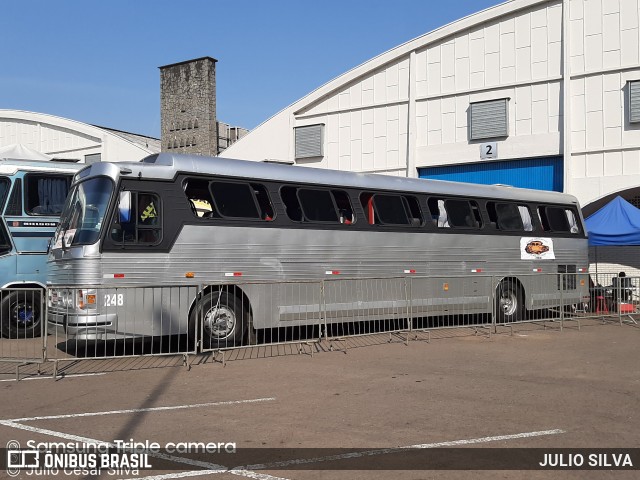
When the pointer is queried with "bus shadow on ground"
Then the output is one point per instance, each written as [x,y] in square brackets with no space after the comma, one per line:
[177,344]
[181,344]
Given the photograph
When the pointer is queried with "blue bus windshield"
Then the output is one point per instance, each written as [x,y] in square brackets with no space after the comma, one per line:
[4,188]
[83,214]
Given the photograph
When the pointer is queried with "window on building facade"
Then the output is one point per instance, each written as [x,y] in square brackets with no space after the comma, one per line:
[489,119]
[309,141]
[92,158]
[634,101]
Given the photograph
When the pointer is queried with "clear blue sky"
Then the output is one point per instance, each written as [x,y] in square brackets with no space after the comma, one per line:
[97,61]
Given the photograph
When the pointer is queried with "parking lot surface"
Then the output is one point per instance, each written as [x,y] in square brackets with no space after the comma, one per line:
[321,415]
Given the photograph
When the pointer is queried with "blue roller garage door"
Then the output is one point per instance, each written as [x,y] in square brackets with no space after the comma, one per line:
[539,173]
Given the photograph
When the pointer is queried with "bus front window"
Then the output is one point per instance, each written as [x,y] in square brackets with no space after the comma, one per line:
[4,189]
[5,244]
[83,214]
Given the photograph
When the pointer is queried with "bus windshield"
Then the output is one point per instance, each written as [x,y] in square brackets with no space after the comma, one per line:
[4,188]
[83,214]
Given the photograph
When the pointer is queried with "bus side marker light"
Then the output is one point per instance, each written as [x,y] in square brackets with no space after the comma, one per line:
[190,275]
[476,270]
[582,283]
[410,271]
[233,274]
[445,287]
[332,272]
[537,270]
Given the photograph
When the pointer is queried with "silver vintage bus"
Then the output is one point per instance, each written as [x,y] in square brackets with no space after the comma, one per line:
[178,220]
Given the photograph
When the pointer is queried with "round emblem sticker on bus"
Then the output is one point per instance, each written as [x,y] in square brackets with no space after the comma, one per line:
[536,248]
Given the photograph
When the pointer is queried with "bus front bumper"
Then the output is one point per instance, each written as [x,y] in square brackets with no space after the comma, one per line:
[83,326]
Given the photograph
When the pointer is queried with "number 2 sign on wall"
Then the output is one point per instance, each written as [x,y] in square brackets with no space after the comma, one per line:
[489,150]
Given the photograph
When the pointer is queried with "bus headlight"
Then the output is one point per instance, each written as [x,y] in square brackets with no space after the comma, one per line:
[60,298]
[86,299]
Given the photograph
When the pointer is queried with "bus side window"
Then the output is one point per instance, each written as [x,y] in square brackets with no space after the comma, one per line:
[345,210]
[573,221]
[46,194]
[137,221]
[413,210]
[525,215]
[554,219]
[506,216]
[262,197]
[199,198]
[391,209]
[234,200]
[291,203]
[463,214]
[366,199]
[476,219]
[317,205]
[439,216]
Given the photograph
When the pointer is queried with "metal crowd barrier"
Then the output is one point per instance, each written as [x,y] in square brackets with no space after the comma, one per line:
[139,321]
[124,321]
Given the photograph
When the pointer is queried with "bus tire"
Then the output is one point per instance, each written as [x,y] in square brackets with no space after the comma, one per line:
[224,320]
[21,314]
[509,304]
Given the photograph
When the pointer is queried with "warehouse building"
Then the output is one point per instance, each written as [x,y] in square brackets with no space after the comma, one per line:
[531,93]
[64,139]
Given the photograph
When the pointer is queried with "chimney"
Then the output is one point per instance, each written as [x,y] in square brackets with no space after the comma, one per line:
[188,107]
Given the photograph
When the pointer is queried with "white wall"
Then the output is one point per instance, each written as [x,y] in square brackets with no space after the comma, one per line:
[517,56]
[604,56]
[408,107]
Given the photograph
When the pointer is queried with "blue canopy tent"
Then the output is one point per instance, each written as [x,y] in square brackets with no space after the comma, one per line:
[617,223]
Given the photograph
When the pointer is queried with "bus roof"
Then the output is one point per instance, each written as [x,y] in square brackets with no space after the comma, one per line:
[11,167]
[168,165]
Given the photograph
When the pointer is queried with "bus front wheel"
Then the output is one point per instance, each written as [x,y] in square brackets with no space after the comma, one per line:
[21,314]
[224,320]
[509,306]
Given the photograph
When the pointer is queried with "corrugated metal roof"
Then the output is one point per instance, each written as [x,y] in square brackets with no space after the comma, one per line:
[149,143]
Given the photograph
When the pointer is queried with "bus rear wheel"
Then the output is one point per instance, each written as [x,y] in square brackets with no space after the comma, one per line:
[224,320]
[21,314]
[509,305]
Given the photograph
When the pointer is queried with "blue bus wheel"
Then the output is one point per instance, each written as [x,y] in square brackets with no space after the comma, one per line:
[21,314]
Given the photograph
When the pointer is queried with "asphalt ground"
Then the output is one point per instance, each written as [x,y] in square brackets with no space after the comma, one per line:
[342,410]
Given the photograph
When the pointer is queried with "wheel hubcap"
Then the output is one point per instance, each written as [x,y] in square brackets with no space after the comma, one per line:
[219,322]
[23,315]
[508,303]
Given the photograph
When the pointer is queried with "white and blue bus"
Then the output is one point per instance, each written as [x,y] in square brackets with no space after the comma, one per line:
[32,195]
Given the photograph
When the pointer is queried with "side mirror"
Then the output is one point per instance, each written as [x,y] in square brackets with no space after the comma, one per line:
[124,207]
